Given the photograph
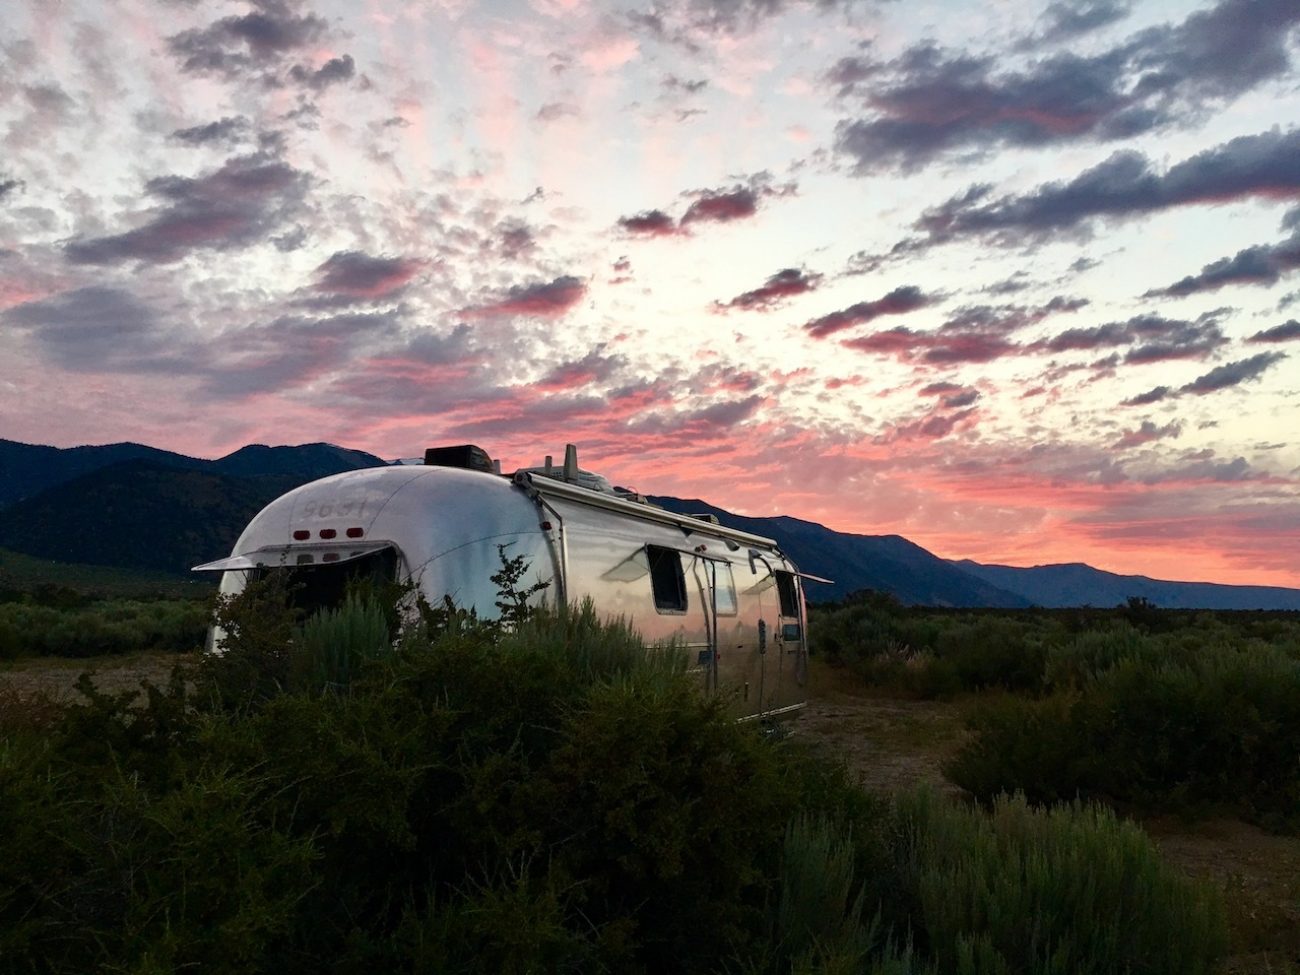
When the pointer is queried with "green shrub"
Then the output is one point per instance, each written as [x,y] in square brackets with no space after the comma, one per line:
[1067,890]
[98,628]
[550,796]
[1222,729]
[334,644]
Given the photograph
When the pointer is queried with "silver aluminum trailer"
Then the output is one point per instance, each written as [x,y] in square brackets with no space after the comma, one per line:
[731,598]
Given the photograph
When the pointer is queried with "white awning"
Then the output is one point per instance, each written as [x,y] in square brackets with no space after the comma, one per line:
[293,556]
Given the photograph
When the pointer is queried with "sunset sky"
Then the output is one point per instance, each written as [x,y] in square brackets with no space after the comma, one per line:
[1018,281]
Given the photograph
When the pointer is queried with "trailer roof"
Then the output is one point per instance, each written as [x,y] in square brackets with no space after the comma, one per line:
[571,492]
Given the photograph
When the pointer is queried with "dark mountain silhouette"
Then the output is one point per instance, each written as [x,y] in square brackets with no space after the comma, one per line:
[28,469]
[306,462]
[1077,584]
[139,515]
[889,563]
[133,506]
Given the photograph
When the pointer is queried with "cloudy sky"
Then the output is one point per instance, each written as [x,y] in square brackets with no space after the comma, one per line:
[1019,281]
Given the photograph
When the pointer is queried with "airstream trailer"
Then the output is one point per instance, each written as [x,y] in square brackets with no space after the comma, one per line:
[731,598]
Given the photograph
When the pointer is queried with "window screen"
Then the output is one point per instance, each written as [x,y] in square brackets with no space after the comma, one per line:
[785,587]
[667,579]
[725,590]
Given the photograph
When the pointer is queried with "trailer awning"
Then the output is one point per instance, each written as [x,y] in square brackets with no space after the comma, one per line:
[293,556]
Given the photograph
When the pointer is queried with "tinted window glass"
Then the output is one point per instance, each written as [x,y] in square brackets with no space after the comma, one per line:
[667,579]
[725,590]
[785,587]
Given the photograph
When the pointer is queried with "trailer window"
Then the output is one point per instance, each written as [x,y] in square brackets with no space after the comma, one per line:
[724,592]
[324,585]
[789,595]
[667,579]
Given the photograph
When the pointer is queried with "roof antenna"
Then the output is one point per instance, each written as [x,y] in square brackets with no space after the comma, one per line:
[570,463]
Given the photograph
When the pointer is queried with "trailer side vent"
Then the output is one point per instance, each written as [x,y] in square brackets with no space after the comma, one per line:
[465,456]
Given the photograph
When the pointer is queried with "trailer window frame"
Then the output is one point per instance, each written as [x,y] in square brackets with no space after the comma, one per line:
[667,580]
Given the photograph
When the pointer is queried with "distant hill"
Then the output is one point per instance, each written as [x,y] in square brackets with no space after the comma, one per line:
[139,515]
[1077,584]
[136,507]
[889,563]
[28,469]
[306,462]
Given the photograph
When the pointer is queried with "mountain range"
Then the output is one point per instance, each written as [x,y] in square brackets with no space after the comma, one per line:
[134,506]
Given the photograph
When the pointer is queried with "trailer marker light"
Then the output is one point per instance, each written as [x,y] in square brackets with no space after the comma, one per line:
[306,559]
[546,526]
[356,532]
[327,533]
[330,557]
[301,534]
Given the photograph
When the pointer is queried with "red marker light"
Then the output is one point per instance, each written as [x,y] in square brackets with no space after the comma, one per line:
[327,533]
[356,532]
[330,557]
[301,535]
[546,526]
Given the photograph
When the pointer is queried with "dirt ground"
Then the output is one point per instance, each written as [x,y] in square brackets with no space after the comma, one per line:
[892,744]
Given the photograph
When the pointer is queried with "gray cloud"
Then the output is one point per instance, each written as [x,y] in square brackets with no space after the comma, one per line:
[1233,373]
[897,302]
[233,206]
[783,284]
[650,223]
[1263,264]
[95,328]
[1125,185]
[359,275]
[930,103]
[1286,332]
[257,39]
[332,72]
[722,206]
[1149,397]
[226,129]
[1066,20]
[543,299]
[10,185]
[1147,433]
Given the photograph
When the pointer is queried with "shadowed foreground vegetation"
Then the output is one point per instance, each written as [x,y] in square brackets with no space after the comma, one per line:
[1188,712]
[544,797]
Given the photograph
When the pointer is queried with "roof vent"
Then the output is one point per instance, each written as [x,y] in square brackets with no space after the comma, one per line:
[711,519]
[466,456]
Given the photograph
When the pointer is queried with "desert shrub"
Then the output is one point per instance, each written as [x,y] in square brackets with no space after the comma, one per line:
[105,627]
[332,645]
[1071,890]
[931,653]
[1087,655]
[1221,729]
[549,796]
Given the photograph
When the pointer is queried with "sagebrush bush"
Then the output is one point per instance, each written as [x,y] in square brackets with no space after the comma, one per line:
[1068,891]
[548,796]
[1222,729]
[112,626]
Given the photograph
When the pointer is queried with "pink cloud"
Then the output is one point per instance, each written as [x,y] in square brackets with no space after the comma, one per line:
[543,300]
